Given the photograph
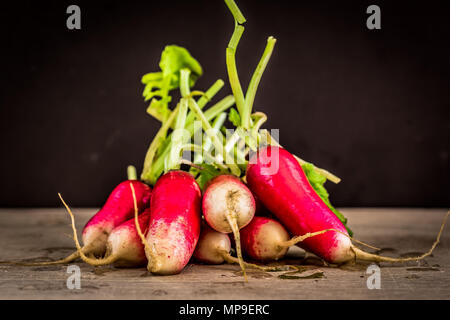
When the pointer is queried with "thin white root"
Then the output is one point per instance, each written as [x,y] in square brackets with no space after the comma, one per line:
[298,239]
[91,261]
[149,250]
[65,260]
[237,239]
[233,260]
[359,254]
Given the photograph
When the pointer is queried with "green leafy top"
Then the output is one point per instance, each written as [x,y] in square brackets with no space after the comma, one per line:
[317,181]
[159,84]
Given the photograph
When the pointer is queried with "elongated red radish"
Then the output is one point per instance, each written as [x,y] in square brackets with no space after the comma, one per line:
[117,209]
[214,247]
[228,205]
[276,177]
[265,239]
[124,247]
[174,226]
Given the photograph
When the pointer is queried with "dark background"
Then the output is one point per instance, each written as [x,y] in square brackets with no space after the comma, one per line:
[371,106]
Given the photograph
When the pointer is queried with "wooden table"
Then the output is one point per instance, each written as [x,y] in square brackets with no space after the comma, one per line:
[43,233]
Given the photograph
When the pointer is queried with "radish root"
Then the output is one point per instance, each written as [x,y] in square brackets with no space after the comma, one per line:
[237,239]
[298,239]
[149,250]
[232,220]
[362,255]
[65,260]
[91,261]
[233,260]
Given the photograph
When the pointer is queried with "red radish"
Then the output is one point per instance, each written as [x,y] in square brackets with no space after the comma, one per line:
[214,247]
[117,209]
[265,239]
[228,205]
[174,226]
[124,247]
[276,177]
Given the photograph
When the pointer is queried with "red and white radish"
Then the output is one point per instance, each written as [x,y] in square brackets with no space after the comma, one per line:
[174,226]
[228,205]
[124,247]
[214,247]
[118,208]
[277,178]
[265,239]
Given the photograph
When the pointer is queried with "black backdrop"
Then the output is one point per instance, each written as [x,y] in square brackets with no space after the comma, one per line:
[371,106]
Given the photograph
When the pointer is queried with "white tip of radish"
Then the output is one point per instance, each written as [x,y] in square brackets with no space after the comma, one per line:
[122,243]
[268,240]
[169,250]
[211,246]
[224,196]
[94,239]
[341,251]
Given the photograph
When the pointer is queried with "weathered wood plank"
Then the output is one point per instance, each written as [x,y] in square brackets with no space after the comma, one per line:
[41,233]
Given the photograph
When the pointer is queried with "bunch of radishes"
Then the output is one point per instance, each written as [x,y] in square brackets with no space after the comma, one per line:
[191,214]
[169,229]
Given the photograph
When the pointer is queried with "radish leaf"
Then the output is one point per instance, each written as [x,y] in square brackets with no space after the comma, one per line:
[159,84]
[317,181]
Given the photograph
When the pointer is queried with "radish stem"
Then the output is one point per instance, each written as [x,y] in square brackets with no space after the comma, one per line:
[221,106]
[178,137]
[207,145]
[131,173]
[256,78]
[237,14]
[214,138]
[233,75]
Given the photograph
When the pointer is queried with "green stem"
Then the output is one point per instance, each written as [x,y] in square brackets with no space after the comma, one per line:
[208,156]
[211,113]
[177,137]
[209,94]
[184,82]
[257,74]
[154,146]
[214,138]
[131,173]
[207,145]
[237,14]
[233,75]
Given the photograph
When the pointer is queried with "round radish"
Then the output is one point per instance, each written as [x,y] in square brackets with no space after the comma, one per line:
[265,239]
[212,246]
[228,205]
